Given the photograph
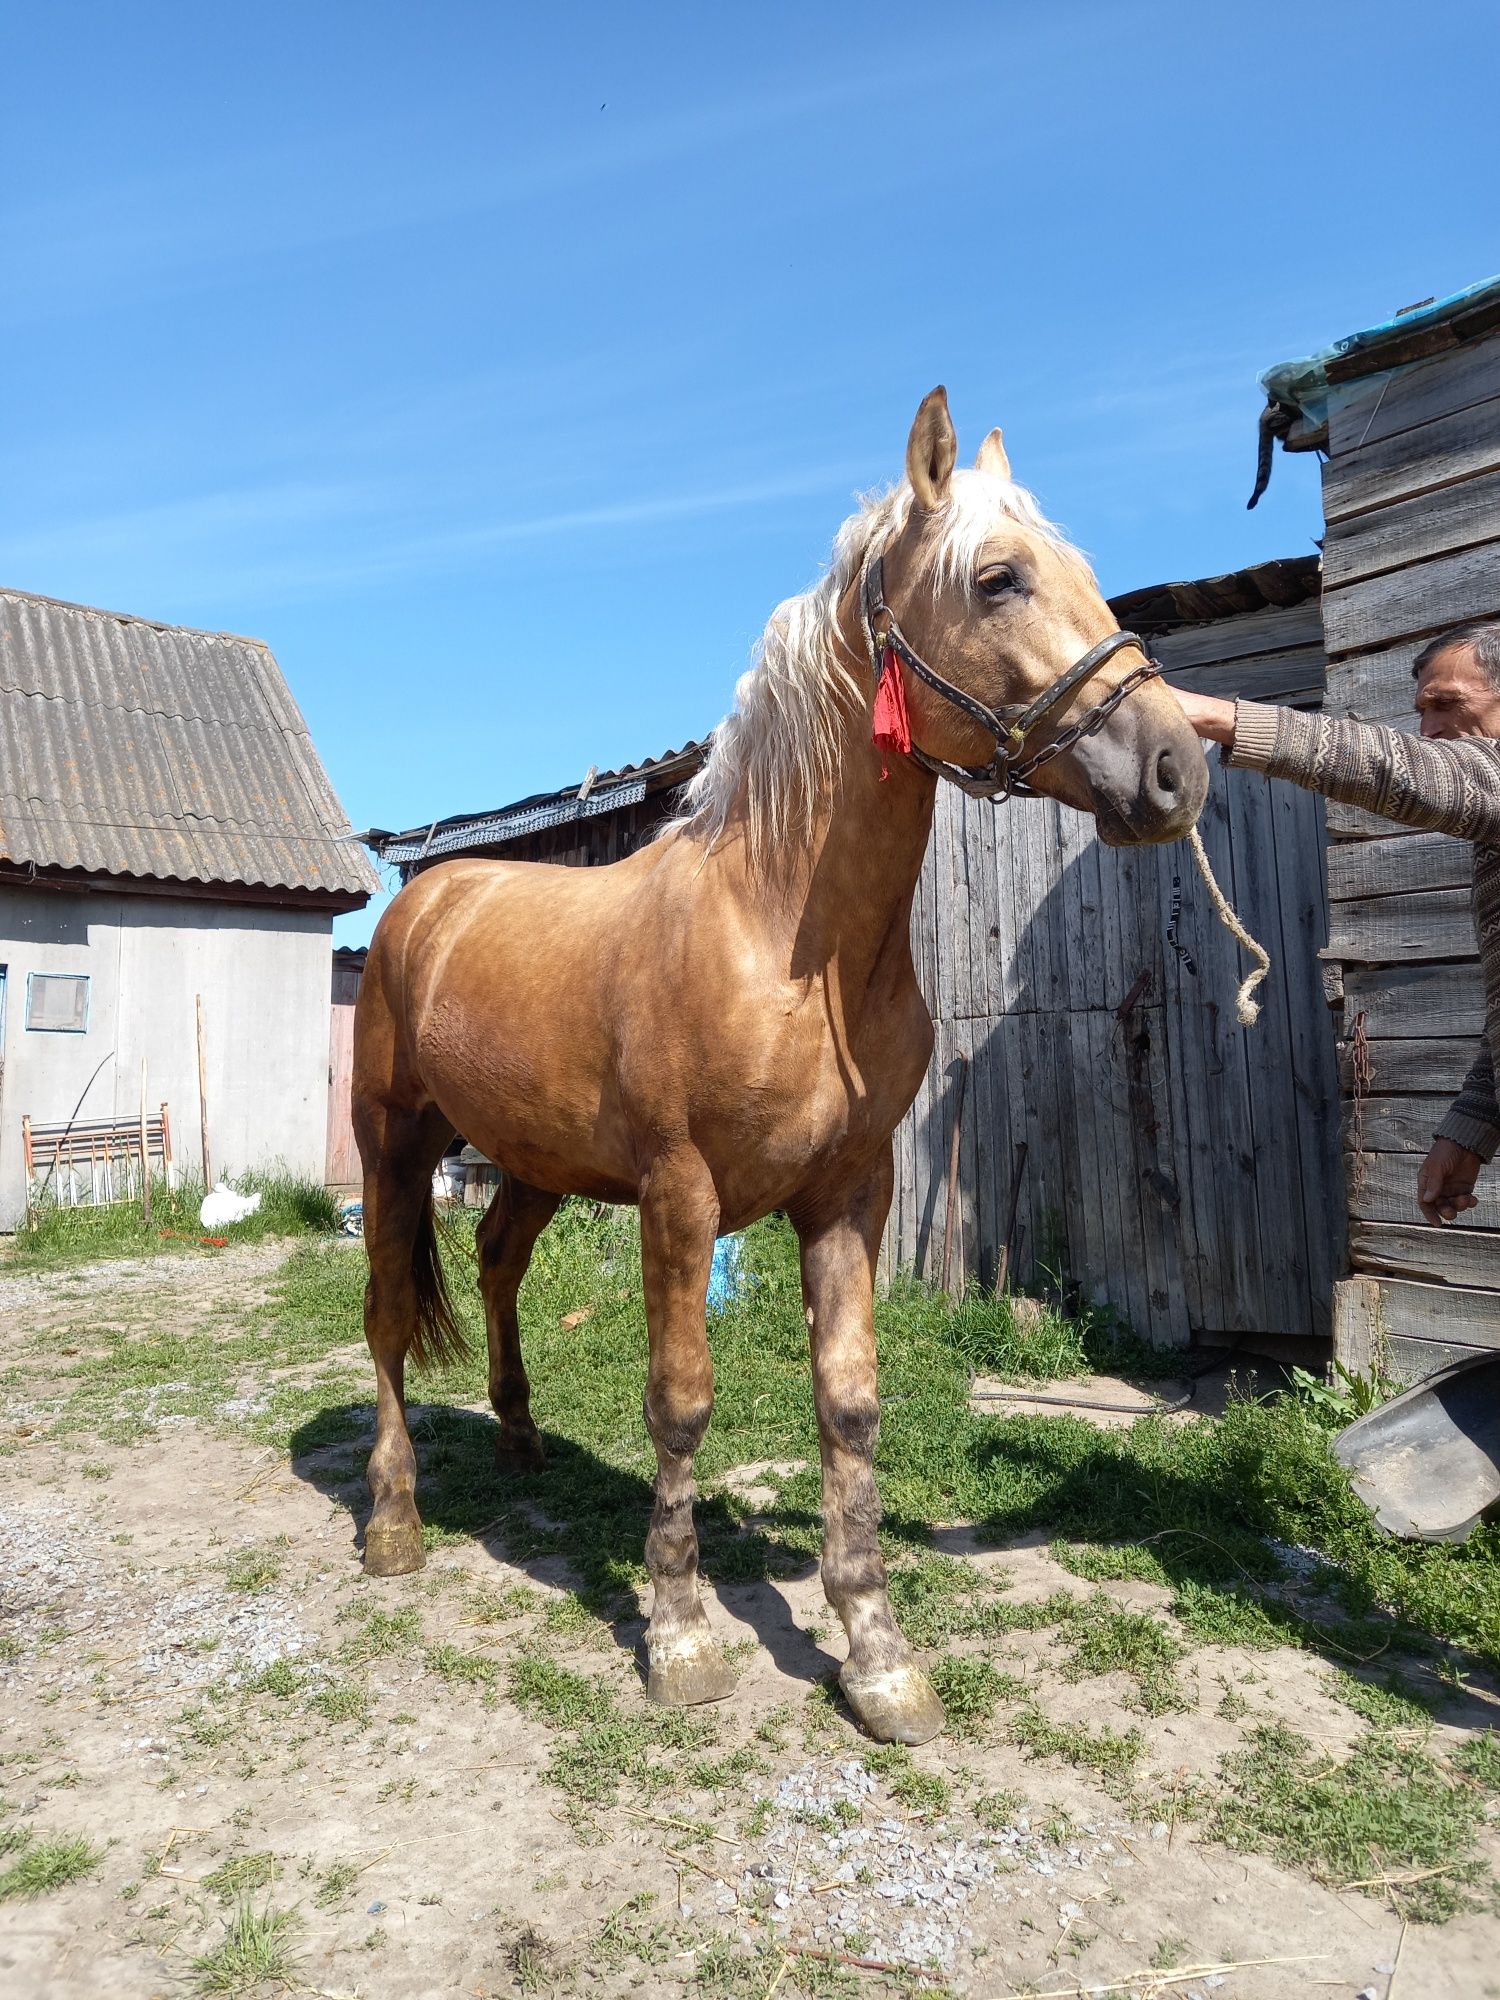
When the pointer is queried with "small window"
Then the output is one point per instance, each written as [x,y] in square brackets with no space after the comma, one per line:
[58,1002]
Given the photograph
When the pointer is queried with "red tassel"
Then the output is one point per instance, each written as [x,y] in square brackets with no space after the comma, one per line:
[892,726]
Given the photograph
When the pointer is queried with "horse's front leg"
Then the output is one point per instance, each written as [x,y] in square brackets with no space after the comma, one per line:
[679,1216]
[840,1238]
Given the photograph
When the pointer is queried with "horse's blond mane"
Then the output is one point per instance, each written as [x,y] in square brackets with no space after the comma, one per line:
[778,749]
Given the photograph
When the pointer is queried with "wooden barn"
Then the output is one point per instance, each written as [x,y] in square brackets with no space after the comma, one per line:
[1118,1133]
[1409,418]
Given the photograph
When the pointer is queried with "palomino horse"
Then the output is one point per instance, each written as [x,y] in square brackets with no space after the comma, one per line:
[728,1021]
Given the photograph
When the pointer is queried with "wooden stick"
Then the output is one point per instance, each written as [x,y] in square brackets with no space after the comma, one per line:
[781,1972]
[1403,1880]
[709,1874]
[1007,1248]
[1157,1980]
[687,1825]
[1396,1962]
[145,1155]
[848,1958]
[208,1172]
[958,1120]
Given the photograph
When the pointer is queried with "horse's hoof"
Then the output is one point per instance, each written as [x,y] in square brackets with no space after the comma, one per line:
[896,1705]
[686,1677]
[393,1548]
[520,1451]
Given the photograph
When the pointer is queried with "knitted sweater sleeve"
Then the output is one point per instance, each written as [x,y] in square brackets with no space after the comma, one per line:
[1442,787]
[1473,1120]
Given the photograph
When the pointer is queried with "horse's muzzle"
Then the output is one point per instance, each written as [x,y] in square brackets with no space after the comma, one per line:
[1144,790]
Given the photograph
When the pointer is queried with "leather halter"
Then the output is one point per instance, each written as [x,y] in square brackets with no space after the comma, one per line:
[1005,774]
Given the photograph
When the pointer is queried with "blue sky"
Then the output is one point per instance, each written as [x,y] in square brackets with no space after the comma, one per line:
[503,366]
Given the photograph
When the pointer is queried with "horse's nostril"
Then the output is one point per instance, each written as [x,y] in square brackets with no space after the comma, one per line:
[1167,779]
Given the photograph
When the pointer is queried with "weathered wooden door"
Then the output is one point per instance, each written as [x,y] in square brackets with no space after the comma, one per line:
[343,1168]
[1179,1168]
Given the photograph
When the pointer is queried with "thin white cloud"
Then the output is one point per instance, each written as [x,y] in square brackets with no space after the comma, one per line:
[202,551]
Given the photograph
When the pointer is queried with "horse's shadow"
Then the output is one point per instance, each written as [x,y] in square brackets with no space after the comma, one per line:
[577,1525]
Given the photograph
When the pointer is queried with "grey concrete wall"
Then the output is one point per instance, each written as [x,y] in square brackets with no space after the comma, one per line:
[264,975]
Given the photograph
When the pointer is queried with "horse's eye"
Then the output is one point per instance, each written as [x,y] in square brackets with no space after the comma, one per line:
[1001,581]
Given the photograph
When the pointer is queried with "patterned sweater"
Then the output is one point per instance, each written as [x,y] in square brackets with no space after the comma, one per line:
[1445,787]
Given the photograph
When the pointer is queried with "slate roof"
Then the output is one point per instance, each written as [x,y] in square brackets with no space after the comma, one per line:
[136,749]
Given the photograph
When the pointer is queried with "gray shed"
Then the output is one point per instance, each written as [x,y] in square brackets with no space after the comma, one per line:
[167,835]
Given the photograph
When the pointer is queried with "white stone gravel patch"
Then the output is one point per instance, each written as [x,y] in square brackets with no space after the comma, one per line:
[841,1873]
[57,1568]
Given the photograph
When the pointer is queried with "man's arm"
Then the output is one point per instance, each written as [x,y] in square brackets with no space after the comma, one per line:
[1467,1137]
[1443,787]
[1447,787]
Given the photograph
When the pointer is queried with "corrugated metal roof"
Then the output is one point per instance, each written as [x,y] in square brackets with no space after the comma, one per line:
[607,792]
[138,749]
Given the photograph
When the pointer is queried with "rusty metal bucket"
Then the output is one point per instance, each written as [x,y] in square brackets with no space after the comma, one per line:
[1427,1464]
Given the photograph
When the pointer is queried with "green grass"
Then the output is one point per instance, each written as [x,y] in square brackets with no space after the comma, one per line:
[257,1949]
[46,1865]
[1112,1755]
[1036,1340]
[1102,1638]
[971,1690]
[342,1701]
[1387,1810]
[56,1237]
[1479,1760]
[1190,1505]
[910,1786]
[336,1884]
[242,1873]
[256,1568]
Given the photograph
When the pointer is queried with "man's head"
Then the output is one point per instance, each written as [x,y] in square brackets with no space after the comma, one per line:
[1458,681]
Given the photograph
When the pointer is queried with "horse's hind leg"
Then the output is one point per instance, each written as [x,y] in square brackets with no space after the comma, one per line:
[400,1150]
[840,1238]
[507,1236]
[679,1215]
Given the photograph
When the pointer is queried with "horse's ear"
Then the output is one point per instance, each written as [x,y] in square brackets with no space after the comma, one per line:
[931,451]
[992,456]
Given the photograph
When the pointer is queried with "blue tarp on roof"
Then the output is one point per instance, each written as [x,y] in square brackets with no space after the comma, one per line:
[1304,384]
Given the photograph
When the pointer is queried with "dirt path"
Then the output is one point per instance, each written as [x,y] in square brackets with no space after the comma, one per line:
[196,1680]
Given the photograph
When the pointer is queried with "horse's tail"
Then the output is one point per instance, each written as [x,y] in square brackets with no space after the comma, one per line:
[439,1339]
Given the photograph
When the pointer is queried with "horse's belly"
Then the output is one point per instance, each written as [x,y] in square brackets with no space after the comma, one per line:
[529,1101]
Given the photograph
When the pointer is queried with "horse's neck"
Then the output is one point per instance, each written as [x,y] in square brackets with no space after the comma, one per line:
[864,861]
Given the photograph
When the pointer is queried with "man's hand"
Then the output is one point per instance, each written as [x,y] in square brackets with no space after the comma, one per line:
[1445,1186]
[1212,718]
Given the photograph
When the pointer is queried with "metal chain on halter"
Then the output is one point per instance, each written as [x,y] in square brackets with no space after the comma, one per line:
[1086,724]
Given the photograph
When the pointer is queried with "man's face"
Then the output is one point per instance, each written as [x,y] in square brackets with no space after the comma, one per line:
[1455,698]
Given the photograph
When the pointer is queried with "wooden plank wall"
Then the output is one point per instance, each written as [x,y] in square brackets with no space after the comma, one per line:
[1411,494]
[1179,1168]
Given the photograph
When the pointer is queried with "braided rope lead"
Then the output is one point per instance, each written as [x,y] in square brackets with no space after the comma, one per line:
[1245,1006]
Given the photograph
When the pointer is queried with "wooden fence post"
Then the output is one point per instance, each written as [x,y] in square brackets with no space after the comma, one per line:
[208,1172]
[145,1154]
